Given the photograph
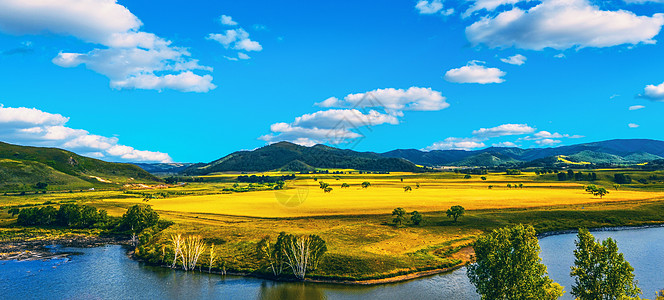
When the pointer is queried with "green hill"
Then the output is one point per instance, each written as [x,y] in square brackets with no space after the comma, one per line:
[22,167]
[292,157]
[486,159]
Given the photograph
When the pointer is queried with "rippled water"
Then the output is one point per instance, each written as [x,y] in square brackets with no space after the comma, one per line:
[107,273]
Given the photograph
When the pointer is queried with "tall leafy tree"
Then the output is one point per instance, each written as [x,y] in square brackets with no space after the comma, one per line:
[399,215]
[139,217]
[600,271]
[455,212]
[508,266]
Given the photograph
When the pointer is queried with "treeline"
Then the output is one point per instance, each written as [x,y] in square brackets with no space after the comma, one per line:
[578,176]
[264,178]
[472,171]
[68,215]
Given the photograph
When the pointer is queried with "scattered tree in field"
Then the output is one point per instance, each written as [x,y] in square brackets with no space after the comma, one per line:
[483,177]
[407,188]
[417,185]
[616,186]
[600,271]
[508,266]
[399,215]
[323,185]
[416,217]
[467,176]
[509,185]
[139,217]
[279,185]
[596,191]
[402,179]
[455,212]
[315,178]
[491,187]
[520,185]
[327,189]
[345,185]
[366,184]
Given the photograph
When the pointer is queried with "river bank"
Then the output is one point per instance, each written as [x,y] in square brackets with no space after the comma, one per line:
[41,248]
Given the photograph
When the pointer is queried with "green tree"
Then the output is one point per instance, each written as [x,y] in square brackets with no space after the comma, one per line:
[416,217]
[366,184]
[455,212]
[467,176]
[509,185]
[323,185]
[616,186]
[41,185]
[596,191]
[327,189]
[483,177]
[279,185]
[407,188]
[399,215]
[139,217]
[345,185]
[600,271]
[508,266]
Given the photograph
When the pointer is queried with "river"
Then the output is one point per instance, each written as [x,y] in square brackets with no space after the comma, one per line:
[107,273]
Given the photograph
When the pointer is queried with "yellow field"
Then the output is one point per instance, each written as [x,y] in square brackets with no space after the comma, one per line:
[305,198]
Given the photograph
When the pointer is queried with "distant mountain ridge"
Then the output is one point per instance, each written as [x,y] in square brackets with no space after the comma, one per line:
[291,157]
[612,152]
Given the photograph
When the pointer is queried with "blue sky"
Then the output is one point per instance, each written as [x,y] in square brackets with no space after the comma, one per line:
[174,81]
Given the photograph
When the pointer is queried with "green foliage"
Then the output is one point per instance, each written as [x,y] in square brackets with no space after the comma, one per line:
[327,189]
[508,266]
[279,185]
[467,176]
[455,212]
[68,215]
[399,215]
[366,184]
[483,177]
[345,185]
[139,217]
[416,217]
[323,185]
[407,188]
[600,271]
[596,191]
[512,172]
[41,185]
[562,176]
[620,178]
[275,256]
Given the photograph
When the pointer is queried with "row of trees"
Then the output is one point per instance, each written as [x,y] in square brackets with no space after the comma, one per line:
[578,176]
[508,266]
[400,216]
[300,254]
[68,215]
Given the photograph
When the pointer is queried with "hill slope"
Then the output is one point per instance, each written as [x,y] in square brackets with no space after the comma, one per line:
[21,167]
[292,157]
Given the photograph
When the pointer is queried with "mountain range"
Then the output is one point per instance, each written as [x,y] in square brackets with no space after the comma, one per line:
[291,157]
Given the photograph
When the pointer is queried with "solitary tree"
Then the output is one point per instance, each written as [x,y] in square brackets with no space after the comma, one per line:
[601,272]
[366,184]
[416,218]
[483,177]
[139,217]
[327,189]
[399,215]
[467,176]
[345,185]
[508,266]
[509,186]
[407,188]
[616,186]
[596,191]
[455,212]
[323,185]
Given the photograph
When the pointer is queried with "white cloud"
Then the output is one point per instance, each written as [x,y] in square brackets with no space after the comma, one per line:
[236,39]
[130,53]
[515,60]
[227,20]
[560,55]
[31,126]
[475,72]
[503,130]
[548,135]
[505,144]
[429,7]
[335,126]
[654,92]
[632,125]
[453,143]
[489,5]
[643,1]
[547,142]
[636,107]
[564,24]
[392,100]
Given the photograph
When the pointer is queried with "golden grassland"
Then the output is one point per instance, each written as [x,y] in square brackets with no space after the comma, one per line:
[356,222]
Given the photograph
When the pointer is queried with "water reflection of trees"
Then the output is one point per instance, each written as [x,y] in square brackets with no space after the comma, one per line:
[294,290]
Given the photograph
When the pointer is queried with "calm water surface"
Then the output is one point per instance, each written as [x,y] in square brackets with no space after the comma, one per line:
[107,273]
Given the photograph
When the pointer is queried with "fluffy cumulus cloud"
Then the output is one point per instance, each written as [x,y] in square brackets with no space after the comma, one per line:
[392,100]
[354,115]
[31,126]
[653,92]
[547,142]
[489,5]
[235,39]
[334,126]
[505,144]
[564,24]
[453,143]
[503,130]
[514,60]
[475,72]
[130,57]
[432,7]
